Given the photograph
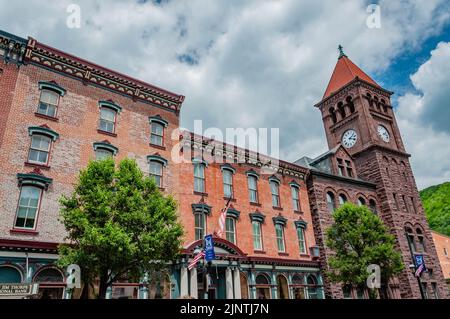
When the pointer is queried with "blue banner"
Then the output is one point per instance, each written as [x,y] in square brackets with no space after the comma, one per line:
[209,248]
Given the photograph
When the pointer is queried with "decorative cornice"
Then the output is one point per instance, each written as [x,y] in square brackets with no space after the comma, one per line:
[157,158]
[279,220]
[232,212]
[301,224]
[106,145]
[201,208]
[12,48]
[343,92]
[257,217]
[315,172]
[227,167]
[52,86]
[90,73]
[44,130]
[111,105]
[34,179]
[158,119]
[235,154]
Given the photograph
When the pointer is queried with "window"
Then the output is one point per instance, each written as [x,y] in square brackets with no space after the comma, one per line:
[227,183]
[340,167]
[28,207]
[410,238]
[40,149]
[312,287]
[395,201]
[348,165]
[330,202]
[301,239]
[445,251]
[257,235]
[252,188]
[101,154]
[295,198]
[279,231]
[107,119]
[156,172]
[199,226]
[360,293]
[413,205]
[425,290]
[230,229]
[347,292]
[434,290]
[373,206]
[275,189]
[361,201]
[342,199]
[405,203]
[48,103]
[199,177]
[157,134]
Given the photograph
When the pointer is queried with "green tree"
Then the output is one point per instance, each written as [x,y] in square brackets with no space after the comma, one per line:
[119,224]
[359,238]
[436,203]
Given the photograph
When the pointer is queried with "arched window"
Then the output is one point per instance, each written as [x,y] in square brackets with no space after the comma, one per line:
[108,116]
[369,98]
[312,287]
[27,210]
[342,199]
[383,104]
[410,238]
[282,285]
[262,287]
[333,115]
[275,189]
[244,286]
[49,275]
[41,142]
[295,198]
[200,225]
[341,109]
[104,150]
[199,177]
[230,229]
[330,202]
[156,168]
[373,206]
[420,240]
[350,104]
[10,275]
[227,174]
[298,284]
[377,103]
[361,201]
[49,99]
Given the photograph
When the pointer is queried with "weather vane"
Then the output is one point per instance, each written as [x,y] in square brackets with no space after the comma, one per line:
[341,51]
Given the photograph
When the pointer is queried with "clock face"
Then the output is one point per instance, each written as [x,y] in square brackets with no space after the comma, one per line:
[349,138]
[383,133]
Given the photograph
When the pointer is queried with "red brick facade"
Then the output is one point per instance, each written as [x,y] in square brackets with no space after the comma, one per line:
[365,172]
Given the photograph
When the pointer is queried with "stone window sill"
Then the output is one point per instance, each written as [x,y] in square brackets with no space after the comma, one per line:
[259,252]
[283,254]
[106,133]
[51,118]
[201,194]
[23,231]
[255,204]
[42,166]
[160,147]
[277,208]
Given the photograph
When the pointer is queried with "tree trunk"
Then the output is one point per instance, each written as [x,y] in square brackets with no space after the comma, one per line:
[103,286]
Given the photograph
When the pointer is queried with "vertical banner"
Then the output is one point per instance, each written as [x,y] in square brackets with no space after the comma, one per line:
[209,248]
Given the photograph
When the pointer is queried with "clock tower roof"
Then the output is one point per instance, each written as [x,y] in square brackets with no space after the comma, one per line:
[344,72]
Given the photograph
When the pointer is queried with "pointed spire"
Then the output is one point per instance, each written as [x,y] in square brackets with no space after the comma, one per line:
[344,72]
[341,51]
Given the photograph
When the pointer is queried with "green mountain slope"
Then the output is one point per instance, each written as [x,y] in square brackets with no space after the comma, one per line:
[436,202]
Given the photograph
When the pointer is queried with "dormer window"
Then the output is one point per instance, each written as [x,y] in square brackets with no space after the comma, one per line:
[340,167]
[348,166]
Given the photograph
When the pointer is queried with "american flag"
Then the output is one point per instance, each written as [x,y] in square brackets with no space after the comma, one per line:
[420,269]
[222,218]
[196,259]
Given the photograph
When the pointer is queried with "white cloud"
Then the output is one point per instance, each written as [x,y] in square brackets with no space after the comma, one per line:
[424,119]
[260,63]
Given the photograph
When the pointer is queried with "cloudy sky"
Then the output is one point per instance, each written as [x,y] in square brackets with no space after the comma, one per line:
[265,63]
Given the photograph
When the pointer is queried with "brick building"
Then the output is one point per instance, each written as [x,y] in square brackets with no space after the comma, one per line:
[59,111]
[442,243]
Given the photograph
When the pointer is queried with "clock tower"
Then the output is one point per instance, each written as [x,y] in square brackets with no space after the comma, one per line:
[357,113]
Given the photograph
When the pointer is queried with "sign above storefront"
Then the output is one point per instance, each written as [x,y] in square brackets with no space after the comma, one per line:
[15,290]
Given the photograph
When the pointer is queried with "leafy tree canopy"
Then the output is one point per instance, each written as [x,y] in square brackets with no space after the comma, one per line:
[119,224]
[359,238]
[436,203]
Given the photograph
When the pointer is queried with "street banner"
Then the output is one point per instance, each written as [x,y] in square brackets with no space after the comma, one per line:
[209,248]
